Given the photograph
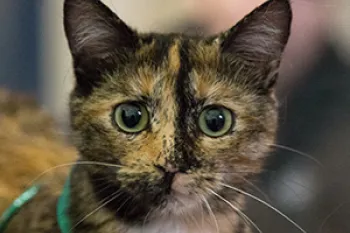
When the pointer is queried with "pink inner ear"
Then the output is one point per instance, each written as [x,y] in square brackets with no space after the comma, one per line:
[263,34]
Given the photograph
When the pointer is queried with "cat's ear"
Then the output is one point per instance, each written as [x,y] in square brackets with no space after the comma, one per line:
[262,35]
[259,41]
[93,30]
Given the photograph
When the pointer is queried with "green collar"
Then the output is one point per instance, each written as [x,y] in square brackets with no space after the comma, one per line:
[62,207]
[10,212]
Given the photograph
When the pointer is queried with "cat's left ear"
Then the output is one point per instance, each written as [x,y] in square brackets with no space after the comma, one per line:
[98,40]
[260,38]
[94,31]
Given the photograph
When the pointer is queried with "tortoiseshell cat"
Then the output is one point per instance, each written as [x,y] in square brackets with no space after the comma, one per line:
[183,123]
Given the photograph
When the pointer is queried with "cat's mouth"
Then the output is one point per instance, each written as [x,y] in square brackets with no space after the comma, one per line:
[180,196]
[172,193]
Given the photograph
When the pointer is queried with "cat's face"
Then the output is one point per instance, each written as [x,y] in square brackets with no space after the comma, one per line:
[181,115]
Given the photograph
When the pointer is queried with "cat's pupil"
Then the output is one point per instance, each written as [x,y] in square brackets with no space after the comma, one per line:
[131,115]
[215,120]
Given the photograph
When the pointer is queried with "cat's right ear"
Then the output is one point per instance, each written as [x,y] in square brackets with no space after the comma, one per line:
[259,40]
[94,31]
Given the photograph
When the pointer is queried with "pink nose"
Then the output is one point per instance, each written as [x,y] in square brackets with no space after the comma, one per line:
[181,183]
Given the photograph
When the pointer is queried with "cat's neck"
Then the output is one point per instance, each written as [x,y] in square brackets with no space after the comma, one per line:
[87,214]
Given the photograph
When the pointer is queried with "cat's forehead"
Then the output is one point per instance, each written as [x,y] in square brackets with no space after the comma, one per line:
[178,51]
[162,62]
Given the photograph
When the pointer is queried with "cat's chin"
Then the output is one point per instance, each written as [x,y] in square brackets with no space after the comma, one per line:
[182,199]
[179,204]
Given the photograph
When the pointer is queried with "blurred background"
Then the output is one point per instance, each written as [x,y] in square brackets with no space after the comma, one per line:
[314,92]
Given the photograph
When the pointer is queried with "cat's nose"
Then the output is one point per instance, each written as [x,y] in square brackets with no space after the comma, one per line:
[169,173]
[174,179]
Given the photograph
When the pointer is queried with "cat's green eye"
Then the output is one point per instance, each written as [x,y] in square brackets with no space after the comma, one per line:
[131,117]
[216,121]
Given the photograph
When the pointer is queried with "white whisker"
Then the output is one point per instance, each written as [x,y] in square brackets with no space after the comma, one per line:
[237,210]
[72,164]
[202,212]
[126,201]
[266,204]
[194,220]
[330,215]
[255,187]
[211,214]
[115,195]
[298,152]
[145,220]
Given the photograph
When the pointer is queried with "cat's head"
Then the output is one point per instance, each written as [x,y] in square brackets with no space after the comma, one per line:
[181,115]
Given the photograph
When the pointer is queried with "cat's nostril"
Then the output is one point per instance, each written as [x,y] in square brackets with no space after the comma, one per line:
[168,177]
[160,168]
[184,169]
[167,168]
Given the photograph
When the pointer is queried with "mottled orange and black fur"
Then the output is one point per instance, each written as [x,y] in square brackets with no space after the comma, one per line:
[30,144]
[175,77]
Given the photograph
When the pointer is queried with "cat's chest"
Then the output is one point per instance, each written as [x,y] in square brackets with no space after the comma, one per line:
[172,226]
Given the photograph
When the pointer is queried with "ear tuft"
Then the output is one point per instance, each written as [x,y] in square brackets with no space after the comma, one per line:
[262,35]
[93,30]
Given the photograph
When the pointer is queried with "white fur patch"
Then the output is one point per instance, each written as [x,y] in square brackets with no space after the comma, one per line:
[174,226]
